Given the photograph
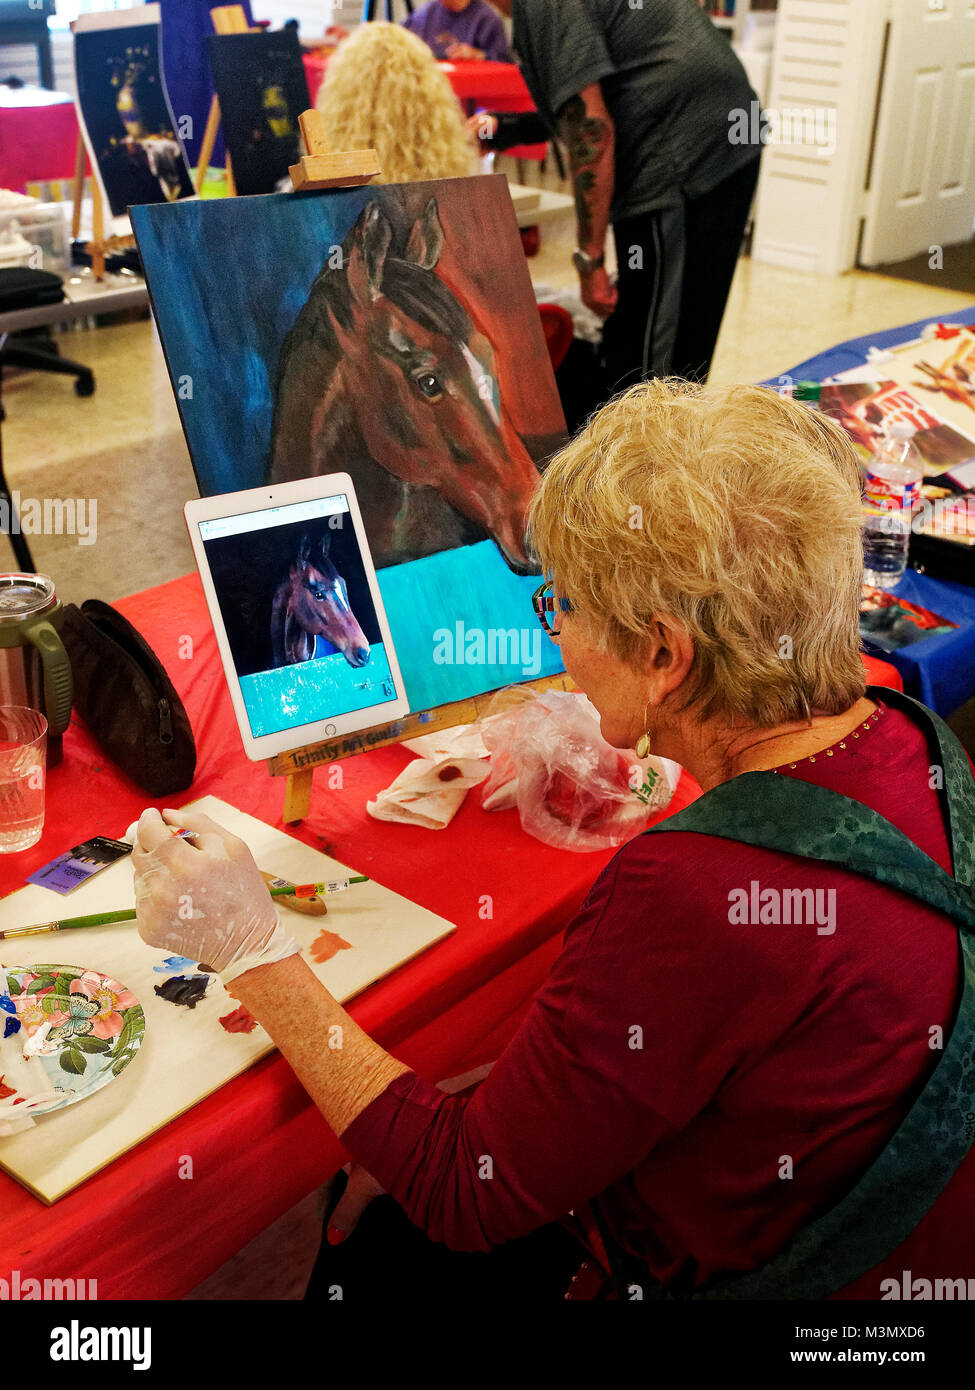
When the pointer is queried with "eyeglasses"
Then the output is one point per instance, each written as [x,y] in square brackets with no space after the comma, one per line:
[544,602]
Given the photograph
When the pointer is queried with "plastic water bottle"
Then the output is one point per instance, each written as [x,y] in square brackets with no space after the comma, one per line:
[891,489]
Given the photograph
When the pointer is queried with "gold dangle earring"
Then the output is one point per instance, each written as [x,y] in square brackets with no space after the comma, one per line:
[642,748]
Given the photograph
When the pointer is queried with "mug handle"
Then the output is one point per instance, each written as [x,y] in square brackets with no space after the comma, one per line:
[58,685]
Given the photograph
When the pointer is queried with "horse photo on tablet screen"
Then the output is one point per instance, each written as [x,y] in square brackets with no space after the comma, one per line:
[312,602]
[385,375]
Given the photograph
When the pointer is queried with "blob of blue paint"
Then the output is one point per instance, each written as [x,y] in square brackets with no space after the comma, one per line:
[11,1027]
[173,963]
[7,1004]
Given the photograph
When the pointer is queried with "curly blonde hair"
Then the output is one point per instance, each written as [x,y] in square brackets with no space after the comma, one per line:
[384,91]
[735,511]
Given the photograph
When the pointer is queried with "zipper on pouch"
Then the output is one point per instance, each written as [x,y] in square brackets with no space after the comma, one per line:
[166,725]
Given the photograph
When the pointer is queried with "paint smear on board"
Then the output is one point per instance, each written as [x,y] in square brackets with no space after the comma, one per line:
[328,944]
[239,1021]
[187,990]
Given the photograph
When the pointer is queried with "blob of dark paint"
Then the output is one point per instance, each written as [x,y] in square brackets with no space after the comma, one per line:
[449,773]
[187,990]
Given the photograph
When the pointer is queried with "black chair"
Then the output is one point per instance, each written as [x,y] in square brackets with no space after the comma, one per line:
[27,289]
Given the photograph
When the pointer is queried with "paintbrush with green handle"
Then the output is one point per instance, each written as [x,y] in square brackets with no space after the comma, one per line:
[105,919]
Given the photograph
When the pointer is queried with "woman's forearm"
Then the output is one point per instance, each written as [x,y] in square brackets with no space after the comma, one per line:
[339,1065]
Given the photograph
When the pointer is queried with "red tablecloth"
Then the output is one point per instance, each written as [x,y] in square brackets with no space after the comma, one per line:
[489,86]
[258,1145]
[37,142]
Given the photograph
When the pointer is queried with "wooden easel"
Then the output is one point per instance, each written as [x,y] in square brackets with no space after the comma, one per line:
[320,169]
[99,246]
[299,766]
[227,19]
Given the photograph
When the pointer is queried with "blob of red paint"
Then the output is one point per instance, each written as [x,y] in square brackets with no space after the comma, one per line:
[327,944]
[6,1091]
[239,1021]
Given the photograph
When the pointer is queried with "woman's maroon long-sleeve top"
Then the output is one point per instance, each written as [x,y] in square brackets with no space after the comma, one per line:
[719,1083]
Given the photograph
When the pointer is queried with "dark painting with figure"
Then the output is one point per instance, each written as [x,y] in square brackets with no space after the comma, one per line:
[262,87]
[125,112]
[391,333]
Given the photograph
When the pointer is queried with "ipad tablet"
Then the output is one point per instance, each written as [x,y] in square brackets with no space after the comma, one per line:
[297,612]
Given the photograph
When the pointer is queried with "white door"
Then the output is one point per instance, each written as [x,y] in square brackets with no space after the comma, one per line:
[922,184]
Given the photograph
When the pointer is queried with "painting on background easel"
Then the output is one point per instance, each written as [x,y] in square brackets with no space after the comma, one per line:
[262,90]
[124,115]
[392,333]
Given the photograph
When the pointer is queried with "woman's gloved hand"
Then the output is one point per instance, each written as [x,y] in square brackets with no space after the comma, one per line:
[204,899]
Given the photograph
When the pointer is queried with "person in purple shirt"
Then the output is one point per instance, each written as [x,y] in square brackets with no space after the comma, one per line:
[461,31]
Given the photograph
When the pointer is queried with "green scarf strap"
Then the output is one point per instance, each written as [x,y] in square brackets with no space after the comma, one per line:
[903,1183]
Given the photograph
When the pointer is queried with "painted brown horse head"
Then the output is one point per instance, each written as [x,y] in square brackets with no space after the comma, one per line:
[421,380]
[312,601]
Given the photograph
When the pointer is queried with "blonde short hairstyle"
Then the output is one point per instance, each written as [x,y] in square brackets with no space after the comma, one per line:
[737,512]
[384,91]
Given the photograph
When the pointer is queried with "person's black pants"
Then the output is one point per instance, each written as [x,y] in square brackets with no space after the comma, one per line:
[675,271]
[387,1258]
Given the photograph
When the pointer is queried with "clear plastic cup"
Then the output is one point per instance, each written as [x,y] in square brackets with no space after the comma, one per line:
[23,777]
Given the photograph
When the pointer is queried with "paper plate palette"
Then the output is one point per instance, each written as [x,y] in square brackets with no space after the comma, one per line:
[82,1027]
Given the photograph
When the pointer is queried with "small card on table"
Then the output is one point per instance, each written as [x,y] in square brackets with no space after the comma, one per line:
[76,866]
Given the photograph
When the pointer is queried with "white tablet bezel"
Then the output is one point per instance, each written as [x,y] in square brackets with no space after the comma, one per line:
[283,495]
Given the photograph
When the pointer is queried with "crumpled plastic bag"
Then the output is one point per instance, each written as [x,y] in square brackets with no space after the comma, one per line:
[572,790]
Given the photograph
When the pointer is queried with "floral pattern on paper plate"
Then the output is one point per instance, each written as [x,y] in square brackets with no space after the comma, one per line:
[82,1025]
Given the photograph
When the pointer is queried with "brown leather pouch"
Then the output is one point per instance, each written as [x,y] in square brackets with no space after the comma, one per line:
[123,694]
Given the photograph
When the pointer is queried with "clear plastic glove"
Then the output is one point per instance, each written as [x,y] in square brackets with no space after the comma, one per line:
[205,899]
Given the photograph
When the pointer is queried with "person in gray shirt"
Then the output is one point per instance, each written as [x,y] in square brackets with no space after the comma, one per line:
[646,95]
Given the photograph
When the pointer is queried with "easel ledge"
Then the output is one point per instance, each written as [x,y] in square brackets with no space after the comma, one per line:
[299,766]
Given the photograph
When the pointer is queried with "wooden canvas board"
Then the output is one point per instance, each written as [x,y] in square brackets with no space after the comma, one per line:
[390,332]
[187,1054]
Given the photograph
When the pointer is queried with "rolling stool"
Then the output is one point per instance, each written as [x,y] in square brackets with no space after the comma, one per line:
[30,289]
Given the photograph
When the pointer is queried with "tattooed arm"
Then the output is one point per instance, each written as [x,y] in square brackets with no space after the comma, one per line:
[586,127]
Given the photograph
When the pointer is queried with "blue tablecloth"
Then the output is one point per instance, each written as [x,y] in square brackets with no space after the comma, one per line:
[940,671]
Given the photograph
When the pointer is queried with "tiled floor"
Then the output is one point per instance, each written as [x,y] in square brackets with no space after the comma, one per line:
[123,447]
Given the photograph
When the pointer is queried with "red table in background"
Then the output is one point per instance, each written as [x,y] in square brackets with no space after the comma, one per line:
[258,1145]
[38,136]
[489,86]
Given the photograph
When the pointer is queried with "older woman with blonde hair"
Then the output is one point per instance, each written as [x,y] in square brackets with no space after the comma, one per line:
[384,91]
[747,1072]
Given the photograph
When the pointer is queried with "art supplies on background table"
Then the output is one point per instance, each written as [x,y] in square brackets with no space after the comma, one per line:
[889,623]
[197,1036]
[929,381]
[866,408]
